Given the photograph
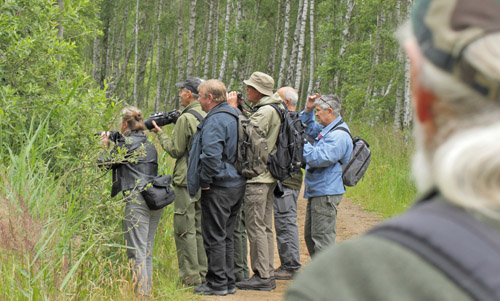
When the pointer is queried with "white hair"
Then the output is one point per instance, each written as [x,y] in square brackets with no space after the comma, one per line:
[292,96]
[463,158]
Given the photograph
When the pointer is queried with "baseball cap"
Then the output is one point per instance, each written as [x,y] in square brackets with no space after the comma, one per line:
[444,29]
[190,84]
[261,82]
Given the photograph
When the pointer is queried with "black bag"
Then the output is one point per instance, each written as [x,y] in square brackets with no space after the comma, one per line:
[158,193]
[288,159]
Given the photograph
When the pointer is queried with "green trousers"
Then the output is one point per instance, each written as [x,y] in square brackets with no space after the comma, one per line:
[188,239]
[241,270]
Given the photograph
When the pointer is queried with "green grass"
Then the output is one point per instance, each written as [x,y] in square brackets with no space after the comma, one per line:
[60,235]
[387,186]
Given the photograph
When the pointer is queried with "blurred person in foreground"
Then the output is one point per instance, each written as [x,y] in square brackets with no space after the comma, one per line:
[130,175]
[453,46]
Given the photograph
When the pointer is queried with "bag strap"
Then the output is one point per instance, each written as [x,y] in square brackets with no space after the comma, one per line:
[463,248]
[195,114]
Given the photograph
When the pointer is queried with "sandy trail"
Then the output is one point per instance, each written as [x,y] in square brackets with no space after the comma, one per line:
[352,220]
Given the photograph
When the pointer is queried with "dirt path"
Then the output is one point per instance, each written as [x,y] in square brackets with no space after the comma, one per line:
[352,220]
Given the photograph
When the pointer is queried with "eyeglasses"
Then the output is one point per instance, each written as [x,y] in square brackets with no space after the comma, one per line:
[321,98]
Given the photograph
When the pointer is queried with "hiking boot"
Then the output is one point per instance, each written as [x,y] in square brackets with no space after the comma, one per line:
[283,273]
[258,284]
[206,290]
[231,290]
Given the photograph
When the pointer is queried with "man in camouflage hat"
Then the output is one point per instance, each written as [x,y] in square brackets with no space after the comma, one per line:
[447,246]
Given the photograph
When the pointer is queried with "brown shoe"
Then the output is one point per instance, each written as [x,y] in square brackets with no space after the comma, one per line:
[284,274]
[257,284]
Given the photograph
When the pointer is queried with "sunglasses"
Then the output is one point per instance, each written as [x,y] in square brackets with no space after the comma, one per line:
[321,98]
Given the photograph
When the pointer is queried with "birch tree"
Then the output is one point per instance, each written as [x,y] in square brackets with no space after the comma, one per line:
[191,48]
[312,48]
[295,45]
[159,44]
[180,68]
[209,38]
[236,41]
[222,72]
[284,52]
[345,38]
[136,32]
[300,54]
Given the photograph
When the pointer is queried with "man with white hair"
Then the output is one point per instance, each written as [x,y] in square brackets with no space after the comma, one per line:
[285,207]
[447,246]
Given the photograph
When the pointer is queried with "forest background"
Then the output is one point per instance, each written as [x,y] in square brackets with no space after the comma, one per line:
[67,67]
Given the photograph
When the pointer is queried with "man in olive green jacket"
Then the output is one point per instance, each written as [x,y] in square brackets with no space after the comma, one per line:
[259,198]
[187,212]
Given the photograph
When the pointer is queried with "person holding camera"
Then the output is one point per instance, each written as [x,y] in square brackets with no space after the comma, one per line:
[323,181]
[130,175]
[187,211]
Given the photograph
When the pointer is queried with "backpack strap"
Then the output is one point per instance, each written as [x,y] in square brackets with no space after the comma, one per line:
[196,114]
[466,250]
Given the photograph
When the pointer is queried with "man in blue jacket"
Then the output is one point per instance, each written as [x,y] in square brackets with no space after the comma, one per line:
[211,168]
[323,181]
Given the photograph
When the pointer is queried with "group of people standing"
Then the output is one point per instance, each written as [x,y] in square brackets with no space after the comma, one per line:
[217,210]
[455,63]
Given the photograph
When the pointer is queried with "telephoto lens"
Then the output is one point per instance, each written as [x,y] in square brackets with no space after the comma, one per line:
[161,119]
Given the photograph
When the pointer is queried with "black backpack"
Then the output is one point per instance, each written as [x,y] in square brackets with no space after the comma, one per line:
[451,239]
[288,159]
[355,169]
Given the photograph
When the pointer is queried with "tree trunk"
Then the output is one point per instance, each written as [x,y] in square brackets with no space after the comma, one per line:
[236,41]
[215,54]
[222,72]
[159,46]
[312,51]
[180,51]
[345,39]
[293,58]
[284,52]
[136,60]
[208,47]
[277,29]
[192,27]
[400,86]
[300,54]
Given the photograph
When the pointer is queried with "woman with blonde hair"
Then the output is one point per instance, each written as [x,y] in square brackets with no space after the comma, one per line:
[134,164]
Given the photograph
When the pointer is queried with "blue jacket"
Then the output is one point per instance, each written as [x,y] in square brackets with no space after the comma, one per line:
[214,151]
[324,157]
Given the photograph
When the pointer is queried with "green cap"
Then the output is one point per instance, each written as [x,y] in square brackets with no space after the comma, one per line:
[444,28]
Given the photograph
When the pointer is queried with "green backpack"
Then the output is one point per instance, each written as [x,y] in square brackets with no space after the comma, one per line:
[252,147]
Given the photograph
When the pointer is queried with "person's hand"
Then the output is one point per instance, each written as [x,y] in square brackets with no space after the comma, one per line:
[155,128]
[310,102]
[232,99]
[105,139]
[205,188]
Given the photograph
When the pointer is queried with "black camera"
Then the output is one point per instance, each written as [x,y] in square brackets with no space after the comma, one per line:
[113,135]
[162,118]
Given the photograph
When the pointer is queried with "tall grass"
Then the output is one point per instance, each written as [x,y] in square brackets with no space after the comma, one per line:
[387,186]
[61,237]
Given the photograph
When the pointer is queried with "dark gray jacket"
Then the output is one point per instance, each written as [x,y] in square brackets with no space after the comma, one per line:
[137,168]
[214,151]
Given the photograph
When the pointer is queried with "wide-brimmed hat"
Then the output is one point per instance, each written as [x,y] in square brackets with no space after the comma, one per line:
[444,28]
[261,82]
[190,84]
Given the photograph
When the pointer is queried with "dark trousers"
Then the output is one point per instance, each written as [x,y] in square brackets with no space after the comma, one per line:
[219,211]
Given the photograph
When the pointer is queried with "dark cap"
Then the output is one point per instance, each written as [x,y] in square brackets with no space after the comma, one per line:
[190,84]
[444,28]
